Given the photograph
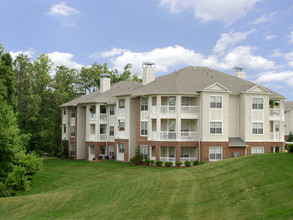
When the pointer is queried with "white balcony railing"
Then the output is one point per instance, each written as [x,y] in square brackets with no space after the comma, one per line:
[153,158]
[189,135]
[121,134]
[103,137]
[183,159]
[153,110]
[153,135]
[168,159]
[275,113]
[168,109]
[121,111]
[168,135]
[103,117]
[275,136]
[189,109]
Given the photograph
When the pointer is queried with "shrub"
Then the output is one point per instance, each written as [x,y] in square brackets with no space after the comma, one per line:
[17,180]
[178,164]
[70,157]
[195,162]
[202,162]
[187,163]
[147,162]
[40,153]
[152,162]
[30,161]
[289,148]
[159,163]
[59,154]
[137,159]
[290,138]
[168,164]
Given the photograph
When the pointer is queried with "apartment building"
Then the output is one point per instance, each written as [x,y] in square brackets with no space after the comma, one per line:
[288,118]
[195,113]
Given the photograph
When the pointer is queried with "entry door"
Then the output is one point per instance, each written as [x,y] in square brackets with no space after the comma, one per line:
[91,152]
[120,152]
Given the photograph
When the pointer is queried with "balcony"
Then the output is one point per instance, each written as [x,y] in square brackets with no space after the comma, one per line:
[183,159]
[189,135]
[275,114]
[153,135]
[168,109]
[103,118]
[121,111]
[189,109]
[168,159]
[103,137]
[275,136]
[168,135]
[92,117]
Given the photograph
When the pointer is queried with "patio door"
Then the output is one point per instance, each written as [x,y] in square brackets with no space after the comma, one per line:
[120,152]
[91,152]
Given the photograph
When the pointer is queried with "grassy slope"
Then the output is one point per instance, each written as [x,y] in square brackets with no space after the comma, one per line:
[253,187]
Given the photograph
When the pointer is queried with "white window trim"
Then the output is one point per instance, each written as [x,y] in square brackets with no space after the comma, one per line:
[210,128]
[263,150]
[146,129]
[263,128]
[221,154]
[263,103]
[222,101]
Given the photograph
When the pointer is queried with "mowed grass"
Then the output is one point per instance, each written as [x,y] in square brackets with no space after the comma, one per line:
[250,187]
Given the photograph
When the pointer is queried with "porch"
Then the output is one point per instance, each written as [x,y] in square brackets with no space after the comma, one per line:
[101,153]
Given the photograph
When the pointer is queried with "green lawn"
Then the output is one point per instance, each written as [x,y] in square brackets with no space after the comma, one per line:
[251,187]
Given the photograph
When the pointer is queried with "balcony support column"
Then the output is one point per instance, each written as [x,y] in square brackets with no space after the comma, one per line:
[178,152]
[178,117]
[158,152]
[158,117]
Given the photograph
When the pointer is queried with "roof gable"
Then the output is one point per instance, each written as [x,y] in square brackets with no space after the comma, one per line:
[258,89]
[216,87]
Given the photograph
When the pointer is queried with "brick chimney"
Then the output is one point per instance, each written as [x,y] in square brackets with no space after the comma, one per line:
[148,72]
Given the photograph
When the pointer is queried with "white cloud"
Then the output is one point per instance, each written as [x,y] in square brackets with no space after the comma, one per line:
[291,37]
[285,76]
[212,10]
[287,56]
[230,39]
[109,53]
[30,53]
[264,18]
[173,56]
[62,9]
[270,37]
[65,59]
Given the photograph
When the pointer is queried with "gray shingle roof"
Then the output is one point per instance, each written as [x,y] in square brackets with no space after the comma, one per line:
[122,88]
[288,105]
[190,80]
[237,142]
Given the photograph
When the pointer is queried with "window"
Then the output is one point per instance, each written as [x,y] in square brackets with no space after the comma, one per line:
[153,151]
[185,125]
[72,131]
[111,151]
[216,127]
[92,129]
[144,104]
[72,149]
[112,110]
[277,126]
[64,111]
[73,112]
[257,128]
[172,125]
[121,103]
[172,100]
[257,150]
[216,102]
[185,151]
[64,128]
[102,150]
[103,109]
[93,111]
[216,153]
[144,152]
[144,128]
[121,125]
[185,101]
[111,130]
[103,129]
[121,148]
[257,103]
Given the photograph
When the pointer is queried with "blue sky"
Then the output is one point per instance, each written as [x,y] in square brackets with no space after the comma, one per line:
[255,34]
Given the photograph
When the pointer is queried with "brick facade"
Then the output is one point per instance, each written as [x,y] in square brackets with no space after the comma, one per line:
[126,148]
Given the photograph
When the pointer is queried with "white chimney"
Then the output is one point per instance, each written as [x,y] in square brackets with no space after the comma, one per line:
[105,82]
[238,72]
[148,72]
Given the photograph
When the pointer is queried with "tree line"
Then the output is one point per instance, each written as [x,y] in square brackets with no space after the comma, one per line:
[31,92]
